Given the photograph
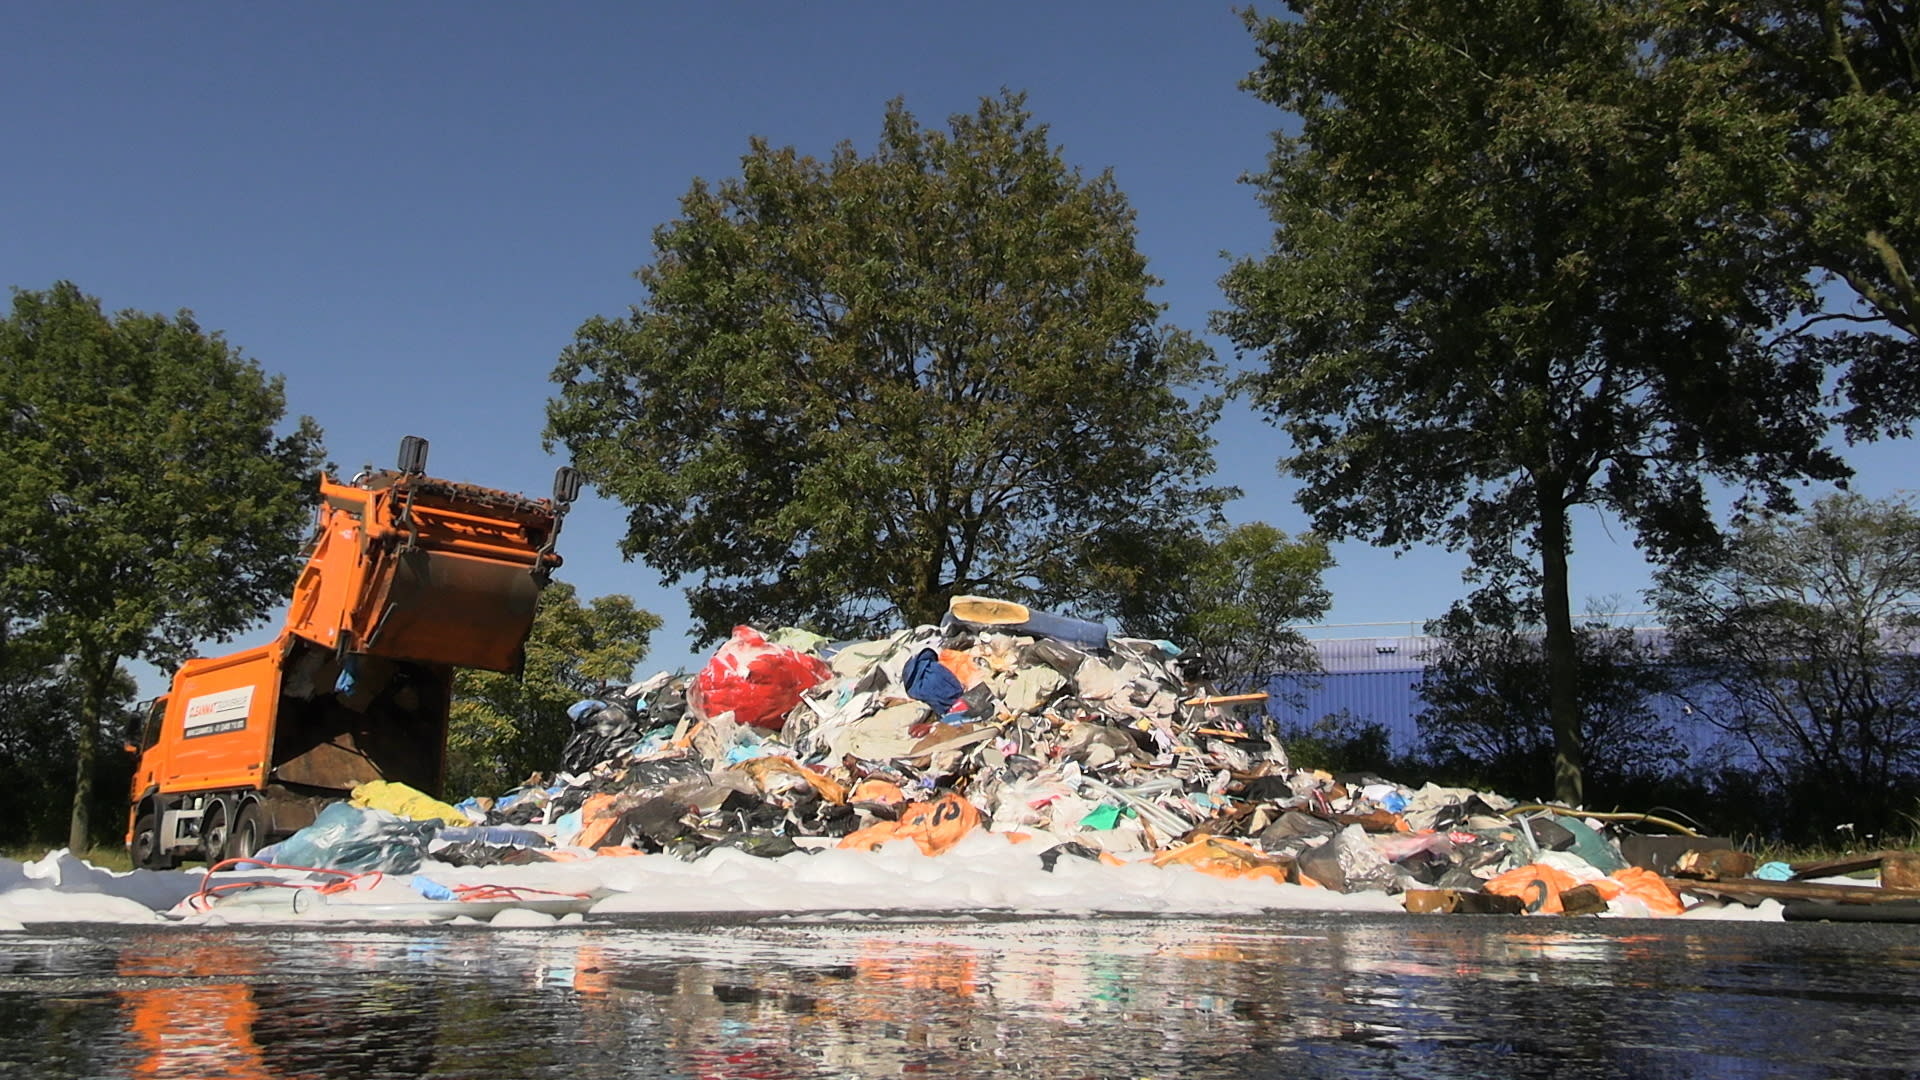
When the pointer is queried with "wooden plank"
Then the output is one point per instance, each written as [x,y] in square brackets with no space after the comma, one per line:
[1753,890]
[1226,699]
[1898,869]
[1852,864]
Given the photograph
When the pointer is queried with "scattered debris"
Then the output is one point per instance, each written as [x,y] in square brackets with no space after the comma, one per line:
[1049,731]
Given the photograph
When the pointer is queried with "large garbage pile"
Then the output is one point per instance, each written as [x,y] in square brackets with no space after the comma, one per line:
[1042,729]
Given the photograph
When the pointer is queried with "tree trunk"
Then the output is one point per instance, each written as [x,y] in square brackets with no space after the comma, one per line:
[925,601]
[96,686]
[1563,661]
[79,826]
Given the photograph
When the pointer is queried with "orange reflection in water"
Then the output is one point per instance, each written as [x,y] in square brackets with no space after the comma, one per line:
[198,1023]
[951,971]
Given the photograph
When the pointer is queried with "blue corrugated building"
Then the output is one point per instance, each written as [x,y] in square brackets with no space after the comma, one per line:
[1376,679]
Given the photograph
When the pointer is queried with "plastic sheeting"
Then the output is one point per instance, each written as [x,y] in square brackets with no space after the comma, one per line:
[345,837]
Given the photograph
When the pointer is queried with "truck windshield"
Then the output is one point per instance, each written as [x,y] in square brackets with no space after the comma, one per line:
[150,731]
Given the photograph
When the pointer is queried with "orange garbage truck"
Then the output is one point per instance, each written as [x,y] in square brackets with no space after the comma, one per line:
[407,578]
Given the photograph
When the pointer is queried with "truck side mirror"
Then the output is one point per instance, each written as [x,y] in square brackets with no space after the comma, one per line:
[413,455]
[566,485]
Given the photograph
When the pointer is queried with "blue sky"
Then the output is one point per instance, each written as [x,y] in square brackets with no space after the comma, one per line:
[407,209]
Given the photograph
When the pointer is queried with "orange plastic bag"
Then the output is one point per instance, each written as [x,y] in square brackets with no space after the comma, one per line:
[1224,858]
[936,825]
[1646,886]
[960,662]
[1536,884]
[763,770]
[879,792]
[597,818]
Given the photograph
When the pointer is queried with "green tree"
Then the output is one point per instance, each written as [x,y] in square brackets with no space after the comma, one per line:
[1233,598]
[1479,312]
[1803,642]
[858,387]
[503,728]
[37,723]
[1808,115]
[150,503]
[1488,716]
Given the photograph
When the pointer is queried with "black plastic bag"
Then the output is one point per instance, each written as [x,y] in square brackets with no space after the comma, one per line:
[599,736]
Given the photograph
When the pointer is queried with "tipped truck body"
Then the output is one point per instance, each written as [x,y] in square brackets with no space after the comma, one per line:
[408,578]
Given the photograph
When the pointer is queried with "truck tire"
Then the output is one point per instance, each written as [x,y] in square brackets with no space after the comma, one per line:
[145,848]
[214,833]
[249,833]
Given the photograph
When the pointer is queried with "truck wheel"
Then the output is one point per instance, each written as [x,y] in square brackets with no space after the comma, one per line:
[146,846]
[213,833]
[248,831]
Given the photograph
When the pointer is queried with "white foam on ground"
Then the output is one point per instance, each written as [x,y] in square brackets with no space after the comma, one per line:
[60,887]
[1766,911]
[984,872]
[22,906]
[514,917]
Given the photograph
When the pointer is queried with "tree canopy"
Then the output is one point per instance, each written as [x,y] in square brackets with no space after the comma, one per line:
[859,386]
[503,728]
[1480,311]
[150,501]
[1808,115]
[1803,643]
[1232,598]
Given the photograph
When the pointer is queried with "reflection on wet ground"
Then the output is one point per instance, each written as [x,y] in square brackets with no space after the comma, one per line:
[1270,996]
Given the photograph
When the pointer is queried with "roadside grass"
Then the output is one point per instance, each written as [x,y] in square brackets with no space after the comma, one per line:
[1815,853]
[104,856]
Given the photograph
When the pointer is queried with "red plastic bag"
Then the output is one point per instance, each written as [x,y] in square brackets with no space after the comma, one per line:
[755,679]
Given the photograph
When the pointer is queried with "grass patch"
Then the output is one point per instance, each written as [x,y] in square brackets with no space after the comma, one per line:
[1799,853]
[106,857]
